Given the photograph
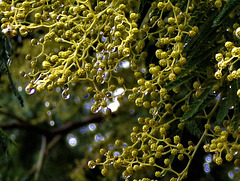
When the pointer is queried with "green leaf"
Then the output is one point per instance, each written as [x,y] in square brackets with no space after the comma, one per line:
[181,80]
[230,6]
[6,138]
[194,107]
[171,157]
[236,115]
[195,127]
[227,102]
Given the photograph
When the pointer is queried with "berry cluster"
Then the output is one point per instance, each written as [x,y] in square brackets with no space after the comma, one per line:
[224,142]
[228,59]
[90,41]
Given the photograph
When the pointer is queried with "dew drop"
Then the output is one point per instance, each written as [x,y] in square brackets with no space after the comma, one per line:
[231,174]
[116,153]
[96,110]
[51,123]
[65,94]
[92,167]
[236,169]
[29,90]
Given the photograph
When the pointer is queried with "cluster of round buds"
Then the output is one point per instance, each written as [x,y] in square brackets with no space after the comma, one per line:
[228,61]
[171,30]
[151,144]
[168,32]
[151,147]
[221,145]
[229,58]
[90,43]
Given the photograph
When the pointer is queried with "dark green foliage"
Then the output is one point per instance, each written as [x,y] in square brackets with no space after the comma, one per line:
[227,102]
[230,6]
[196,104]
[5,59]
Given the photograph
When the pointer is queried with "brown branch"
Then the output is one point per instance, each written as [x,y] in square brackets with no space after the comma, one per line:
[53,142]
[63,129]
[67,127]
[25,126]
[12,116]
[39,163]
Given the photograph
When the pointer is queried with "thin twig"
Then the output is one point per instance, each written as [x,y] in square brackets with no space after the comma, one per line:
[10,115]
[63,129]
[53,142]
[40,158]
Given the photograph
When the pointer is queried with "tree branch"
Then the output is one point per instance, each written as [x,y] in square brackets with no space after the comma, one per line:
[26,126]
[12,116]
[63,129]
[67,127]
[40,158]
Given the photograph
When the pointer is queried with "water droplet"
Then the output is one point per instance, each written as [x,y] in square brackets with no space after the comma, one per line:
[206,167]
[236,169]
[49,113]
[92,167]
[20,88]
[77,100]
[127,176]
[230,174]
[126,64]
[72,140]
[116,153]
[208,158]
[96,110]
[29,90]
[51,123]
[235,153]
[98,137]
[92,126]
[46,104]
[65,94]
[13,136]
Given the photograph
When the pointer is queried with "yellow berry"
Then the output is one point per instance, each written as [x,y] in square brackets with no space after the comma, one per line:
[176,139]
[238,92]
[229,45]
[139,102]
[218,4]
[219,160]
[91,164]
[46,64]
[171,20]
[180,157]
[145,128]
[104,171]
[167,161]
[218,74]
[207,126]
[161,5]
[172,77]
[163,91]
[158,174]
[118,143]
[180,126]
[174,151]
[151,161]
[237,32]
[219,57]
